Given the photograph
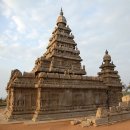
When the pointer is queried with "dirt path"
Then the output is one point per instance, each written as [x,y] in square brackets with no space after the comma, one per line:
[61,125]
[64,125]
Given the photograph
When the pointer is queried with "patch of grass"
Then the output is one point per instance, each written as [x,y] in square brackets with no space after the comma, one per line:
[2,102]
[125,93]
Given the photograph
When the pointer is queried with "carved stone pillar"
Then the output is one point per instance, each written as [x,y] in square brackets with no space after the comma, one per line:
[12,99]
[8,99]
[39,99]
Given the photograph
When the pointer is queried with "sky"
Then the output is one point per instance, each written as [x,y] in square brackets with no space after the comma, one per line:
[26,26]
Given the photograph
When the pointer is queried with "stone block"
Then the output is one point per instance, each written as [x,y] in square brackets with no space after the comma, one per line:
[126,98]
[56,75]
[51,75]
[86,123]
[42,74]
[26,74]
[78,77]
[61,76]
[115,118]
[100,121]
[119,109]
[125,115]
[125,105]
[67,76]
[84,77]
[101,112]
[122,104]
[75,122]
[113,109]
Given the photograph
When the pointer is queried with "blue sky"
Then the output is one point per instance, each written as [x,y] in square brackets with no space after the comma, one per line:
[26,26]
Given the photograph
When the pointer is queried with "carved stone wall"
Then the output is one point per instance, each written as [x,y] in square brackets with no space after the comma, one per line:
[24,100]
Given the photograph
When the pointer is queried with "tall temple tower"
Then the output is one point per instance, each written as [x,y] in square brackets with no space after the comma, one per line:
[62,54]
[58,86]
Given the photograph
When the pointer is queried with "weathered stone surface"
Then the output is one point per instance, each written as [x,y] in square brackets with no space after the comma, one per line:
[119,109]
[58,87]
[126,98]
[86,123]
[75,122]
[125,105]
[113,109]
[101,112]
[100,121]
[115,114]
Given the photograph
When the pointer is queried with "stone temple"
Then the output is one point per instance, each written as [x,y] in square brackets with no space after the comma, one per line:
[58,86]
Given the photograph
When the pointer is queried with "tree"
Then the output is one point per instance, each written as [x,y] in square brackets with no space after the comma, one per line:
[128,88]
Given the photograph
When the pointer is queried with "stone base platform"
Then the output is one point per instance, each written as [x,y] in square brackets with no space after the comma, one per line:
[112,118]
[64,115]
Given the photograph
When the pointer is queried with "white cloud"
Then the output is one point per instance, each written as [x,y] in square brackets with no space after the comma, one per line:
[33,34]
[96,24]
[19,23]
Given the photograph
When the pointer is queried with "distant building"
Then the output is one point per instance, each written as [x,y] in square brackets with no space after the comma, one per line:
[58,86]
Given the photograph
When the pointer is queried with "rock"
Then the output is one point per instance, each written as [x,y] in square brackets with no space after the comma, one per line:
[125,105]
[86,123]
[75,122]
[113,109]
[101,112]
[119,109]
[126,98]
[100,121]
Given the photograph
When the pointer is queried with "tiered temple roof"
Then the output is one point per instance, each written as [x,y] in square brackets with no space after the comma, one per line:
[108,74]
[62,54]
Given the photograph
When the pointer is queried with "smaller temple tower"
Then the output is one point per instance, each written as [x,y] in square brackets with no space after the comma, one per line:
[111,78]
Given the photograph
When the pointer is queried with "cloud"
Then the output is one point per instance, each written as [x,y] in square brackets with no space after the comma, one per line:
[96,24]
[19,23]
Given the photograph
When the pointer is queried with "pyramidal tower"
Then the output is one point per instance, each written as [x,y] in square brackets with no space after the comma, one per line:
[58,86]
[62,55]
[111,78]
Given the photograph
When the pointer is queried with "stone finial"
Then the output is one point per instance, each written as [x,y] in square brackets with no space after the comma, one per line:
[61,18]
[106,57]
[106,52]
[61,12]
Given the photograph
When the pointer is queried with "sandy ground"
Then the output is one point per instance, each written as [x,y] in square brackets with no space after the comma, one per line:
[65,125]
[60,125]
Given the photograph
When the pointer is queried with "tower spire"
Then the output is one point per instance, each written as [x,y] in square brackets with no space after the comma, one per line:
[106,51]
[61,12]
[61,18]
